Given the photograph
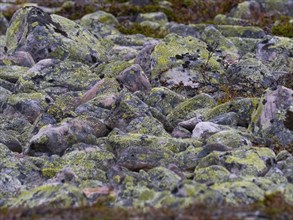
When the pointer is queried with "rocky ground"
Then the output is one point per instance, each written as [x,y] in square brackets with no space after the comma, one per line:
[134,114]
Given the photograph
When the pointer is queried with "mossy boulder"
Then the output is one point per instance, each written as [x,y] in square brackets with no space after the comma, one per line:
[272,120]
[243,107]
[54,196]
[7,138]
[163,99]
[241,31]
[178,61]
[242,161]
[211,174]
[11,73]
[52,36]
[184,110]
[95,162]
[57,77]
[239,192]
[56,139]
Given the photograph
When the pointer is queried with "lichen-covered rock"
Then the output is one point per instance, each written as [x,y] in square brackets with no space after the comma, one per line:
[211,174]
[4,94]
[286,167]
[229,118]
[7,138]
[134,79]
[242,161]
[3,24]
[283,6]
[100,23]
[11,73]
[159,17]
[52,36]
[275,53]
[56,139]
[272,120]
[163,99]
[250,76]
[19,58]
[232,138]
[30,105]
[95,162]
[183,30]
[203,130]
[56,77]
[62,195]
[126,108]
[284,189]
[243,192]
[243,108]
[163,179]
[241,31]
[185,110]
[246,10]
[178,61]
[222,45]
[146,125]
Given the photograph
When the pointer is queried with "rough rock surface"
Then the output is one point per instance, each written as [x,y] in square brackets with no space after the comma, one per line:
[89,114]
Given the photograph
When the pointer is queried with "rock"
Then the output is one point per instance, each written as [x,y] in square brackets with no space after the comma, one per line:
[241,31]
[178,63]
[239,192]
[283,6]
[158,17]
[146,125]
[183,30]
[212,174]
[100,23]
[52,36]
[65,76]
[19,58]
[229,118]
[8,139]
[126,108]
[286,167]
[203,130]
[232,138]
[272,119]
[162,178]
[95,164]
[249,10]
[56,139]
[3,24]
[243,107]
[180,132]
[11,73]
[163,99]
[211,147]
[62,195]
[275,53]
[134,79]
[4,94]
[185,110]
[242,161]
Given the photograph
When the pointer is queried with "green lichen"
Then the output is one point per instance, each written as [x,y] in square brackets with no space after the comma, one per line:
[211,174]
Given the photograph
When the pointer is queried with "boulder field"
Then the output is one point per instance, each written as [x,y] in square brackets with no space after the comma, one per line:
[204,114]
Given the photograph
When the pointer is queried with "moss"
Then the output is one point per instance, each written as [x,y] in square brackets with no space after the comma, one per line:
[50,172]
[137,28]
[283,27]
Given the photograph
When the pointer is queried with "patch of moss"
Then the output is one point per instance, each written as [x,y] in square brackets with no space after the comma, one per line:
[137,28]
[283,28]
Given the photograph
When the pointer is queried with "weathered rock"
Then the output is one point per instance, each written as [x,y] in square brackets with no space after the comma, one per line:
[95,162]
[11,73]
[56,139]
[62,195]
[232,138]
[211,174]
[241,31]
[134,79]
[52,36]
[146,125]
[183,30]
[100,23]
[186,110]
[275,53]
[163,99]
[7,138]
[3,24]
[159,17]
[242,161]
[272,120]
[19,58]
[242,107]
[182,62]
[249,10]
[243,192]
[229,118]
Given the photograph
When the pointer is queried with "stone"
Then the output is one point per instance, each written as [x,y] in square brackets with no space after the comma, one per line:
[134,79]
[52,36]
[203,130]
[272,120]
